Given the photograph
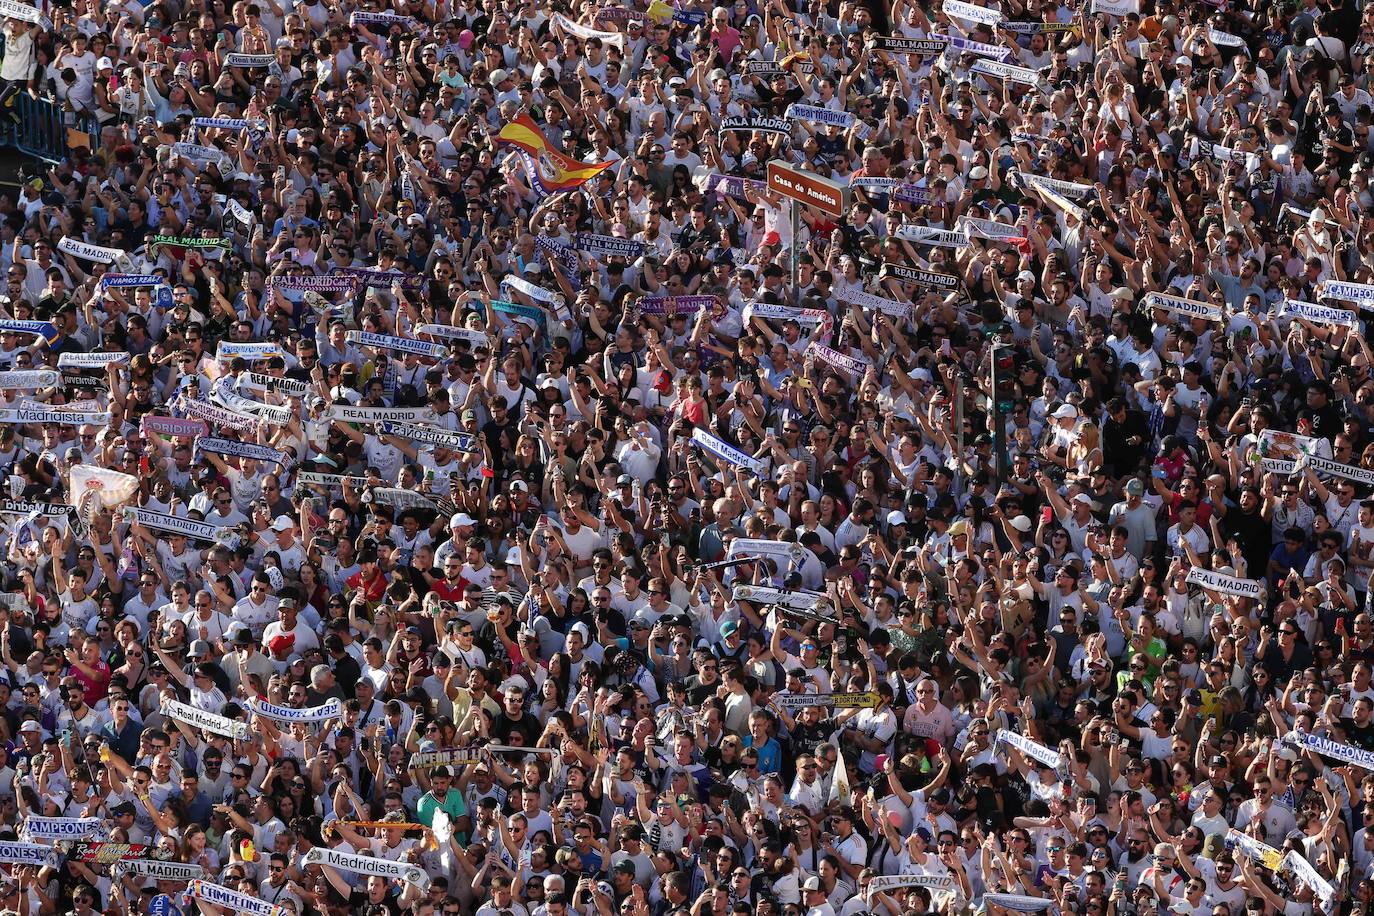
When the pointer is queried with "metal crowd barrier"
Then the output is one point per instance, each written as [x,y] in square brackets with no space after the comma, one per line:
[42,129]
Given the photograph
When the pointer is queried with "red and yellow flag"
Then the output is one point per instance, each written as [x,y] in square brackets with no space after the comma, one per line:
[549,170]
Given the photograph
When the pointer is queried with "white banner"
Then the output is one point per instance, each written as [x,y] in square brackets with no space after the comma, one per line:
[276,414]
[88,252]
[232,900]
[971,12]
[386,20]
[62,828]
[450,332]
[1222,155]
[159,870]
[1005,71]
[1227,585]
[108,488]
[1346,753]
[316,479]
[330,710]
[1189,308]
[27,507]
[976,48]
[432,436]
[928,235]
[398,498]
[448,757]
[368,865]
[894,882]
[1362,294]
[1259,852]
[399,344]
[172,523]
[1031,748]
[781,551]
[525,287]
[763,594]
[1321,465]
[209,721]
[28,853]
[727,452]
[1280,443]
[1309,876]
[90,360]
[1021,903]
[1116,7]
[88,405]
[216,415]
[1225,39]
[13,9]
[889,307]
[852,364]
[240,213]
[55,416]
[1056,199]
[29,378]
[1070,189]
[816,113]
[775,311]
[584,32]
[1337,469]
[991,229]
[249,60]
[1317,314]
[291,387]
[252,352]
[202,155]
[347,413]
[236,449]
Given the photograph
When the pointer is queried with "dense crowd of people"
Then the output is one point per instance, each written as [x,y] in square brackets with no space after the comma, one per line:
[447,477]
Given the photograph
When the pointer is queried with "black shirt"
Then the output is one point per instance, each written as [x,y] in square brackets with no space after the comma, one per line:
[1120,455]
[358,901]
[1253,533]
[1360,736]
[527,726]
[493,430]
[697,692]
[347,673]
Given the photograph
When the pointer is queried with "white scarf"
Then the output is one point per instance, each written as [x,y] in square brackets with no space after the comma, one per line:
[209,721]
[368,865]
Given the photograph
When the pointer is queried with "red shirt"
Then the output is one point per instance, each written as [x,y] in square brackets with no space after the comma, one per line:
[93,688]
[374,590]
[447,592]
[1204,511]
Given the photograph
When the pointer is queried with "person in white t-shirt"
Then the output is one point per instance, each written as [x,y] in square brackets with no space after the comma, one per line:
[1361,548]
[286,545]
[17,68]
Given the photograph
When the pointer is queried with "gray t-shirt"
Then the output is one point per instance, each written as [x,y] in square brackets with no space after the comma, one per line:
[1140,526]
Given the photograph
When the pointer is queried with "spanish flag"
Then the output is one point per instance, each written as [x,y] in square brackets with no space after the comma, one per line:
[548,169]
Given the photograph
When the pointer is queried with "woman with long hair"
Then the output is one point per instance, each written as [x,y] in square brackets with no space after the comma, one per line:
[584,702]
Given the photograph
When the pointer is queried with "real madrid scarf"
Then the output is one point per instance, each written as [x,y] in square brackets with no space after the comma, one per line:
[428,435]
[399,344]
[235,449]
[727,452]
[172,524]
